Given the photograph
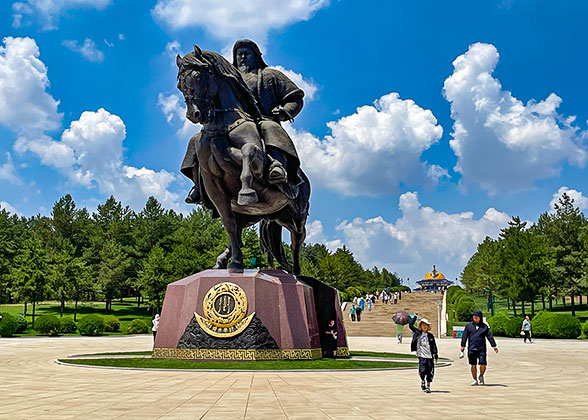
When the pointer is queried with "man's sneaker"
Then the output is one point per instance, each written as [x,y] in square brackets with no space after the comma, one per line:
[423,386]
[481,380]
[474,382]
[428,390]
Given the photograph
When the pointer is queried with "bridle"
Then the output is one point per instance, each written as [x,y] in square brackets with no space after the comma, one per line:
[203,98]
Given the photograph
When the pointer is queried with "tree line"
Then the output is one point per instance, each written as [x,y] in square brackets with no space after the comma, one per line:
[547,259]
[115,252]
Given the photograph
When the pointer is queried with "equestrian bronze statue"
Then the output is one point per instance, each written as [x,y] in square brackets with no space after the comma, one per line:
[244,166]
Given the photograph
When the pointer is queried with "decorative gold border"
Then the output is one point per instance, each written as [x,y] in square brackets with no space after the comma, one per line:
[343,352]
[237,354]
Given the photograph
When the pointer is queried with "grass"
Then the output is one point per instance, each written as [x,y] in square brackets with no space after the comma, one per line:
[125,312]
[382,354]
[501,306]
[257,365]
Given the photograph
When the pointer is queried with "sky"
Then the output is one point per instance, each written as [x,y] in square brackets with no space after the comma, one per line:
[426,125]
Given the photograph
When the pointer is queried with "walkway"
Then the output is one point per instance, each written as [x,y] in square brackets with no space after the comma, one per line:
[543,380]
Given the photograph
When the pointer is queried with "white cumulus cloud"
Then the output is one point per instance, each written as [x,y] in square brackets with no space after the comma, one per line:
[501,143]
[88,50]
[25,105]
[371,151]
[580,200]
[228,19]
[421,237]
[8,171]
[47,12]
[90,153]
[315,234]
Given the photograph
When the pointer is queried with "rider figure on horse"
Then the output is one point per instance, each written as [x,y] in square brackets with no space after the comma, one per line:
[278,99]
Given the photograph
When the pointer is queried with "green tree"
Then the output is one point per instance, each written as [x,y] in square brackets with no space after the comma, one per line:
[565,234]
[30,273]
[155,276]
[112,271]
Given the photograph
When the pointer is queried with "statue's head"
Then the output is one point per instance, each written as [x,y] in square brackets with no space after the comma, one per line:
[247,55]
[197,83]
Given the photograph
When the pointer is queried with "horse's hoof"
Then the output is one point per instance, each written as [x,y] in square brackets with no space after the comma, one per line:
[247,198]
[235,267]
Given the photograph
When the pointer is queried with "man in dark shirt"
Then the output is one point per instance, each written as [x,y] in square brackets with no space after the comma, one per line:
[476,332]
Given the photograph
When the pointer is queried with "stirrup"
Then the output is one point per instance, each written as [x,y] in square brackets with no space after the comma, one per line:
[277,173]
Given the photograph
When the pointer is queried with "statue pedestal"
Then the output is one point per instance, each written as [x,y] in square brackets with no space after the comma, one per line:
[255,315]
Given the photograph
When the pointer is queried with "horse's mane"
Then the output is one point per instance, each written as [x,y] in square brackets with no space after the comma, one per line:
[227,71]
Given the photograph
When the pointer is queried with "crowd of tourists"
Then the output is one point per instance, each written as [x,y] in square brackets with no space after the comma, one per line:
[367,302]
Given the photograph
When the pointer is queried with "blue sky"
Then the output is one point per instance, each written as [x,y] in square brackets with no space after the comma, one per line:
[444,118]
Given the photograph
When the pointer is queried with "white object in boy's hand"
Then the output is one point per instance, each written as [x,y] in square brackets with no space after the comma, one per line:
[461,354]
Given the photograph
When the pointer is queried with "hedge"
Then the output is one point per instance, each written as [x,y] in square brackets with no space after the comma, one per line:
[67,325]
[111,323]
[585,328]
[564,326]
[47,325]
[8,325]
[21,321]
[498,323]
[92,324]
[137,326]
[540,324]
[513,327]
[464,309]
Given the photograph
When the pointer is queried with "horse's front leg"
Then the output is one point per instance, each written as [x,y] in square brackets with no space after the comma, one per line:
[252,165]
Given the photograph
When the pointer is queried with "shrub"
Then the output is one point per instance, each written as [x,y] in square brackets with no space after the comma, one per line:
[8,325]
[464,309]
[513,327]
[67,325]
[92,324]
[111,323]
[47,325]
[540,324]
[498,323]
[22,323]
[564,326]
[585,328]
[343,297]
[137,326]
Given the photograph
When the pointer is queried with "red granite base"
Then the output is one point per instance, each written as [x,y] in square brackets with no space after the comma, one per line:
[284,305]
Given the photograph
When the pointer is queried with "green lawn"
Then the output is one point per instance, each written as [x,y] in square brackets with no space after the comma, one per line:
[125,312]
[500,306]
[258,365]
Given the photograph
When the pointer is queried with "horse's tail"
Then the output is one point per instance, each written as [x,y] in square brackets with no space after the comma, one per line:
[270,239]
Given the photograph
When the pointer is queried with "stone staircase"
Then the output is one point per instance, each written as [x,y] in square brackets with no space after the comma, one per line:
[378,322]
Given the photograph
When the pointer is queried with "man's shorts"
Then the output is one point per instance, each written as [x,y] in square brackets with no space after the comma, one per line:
[477,357]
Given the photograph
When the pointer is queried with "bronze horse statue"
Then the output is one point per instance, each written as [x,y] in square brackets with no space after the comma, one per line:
[233,163]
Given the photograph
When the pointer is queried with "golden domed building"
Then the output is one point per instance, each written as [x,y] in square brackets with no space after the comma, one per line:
[434,280]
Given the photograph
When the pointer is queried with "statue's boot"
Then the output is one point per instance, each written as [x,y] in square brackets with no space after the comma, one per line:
[247,197]
[194,196]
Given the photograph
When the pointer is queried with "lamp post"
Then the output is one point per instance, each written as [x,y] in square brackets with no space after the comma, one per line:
[438,305]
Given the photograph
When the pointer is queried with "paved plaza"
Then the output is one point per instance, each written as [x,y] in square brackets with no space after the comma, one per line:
[543,380]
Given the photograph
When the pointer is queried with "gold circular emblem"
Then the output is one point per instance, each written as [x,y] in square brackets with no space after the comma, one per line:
[224,309]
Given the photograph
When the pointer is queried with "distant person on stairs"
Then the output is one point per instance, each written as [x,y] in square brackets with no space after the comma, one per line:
[352,312]
[358,312]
